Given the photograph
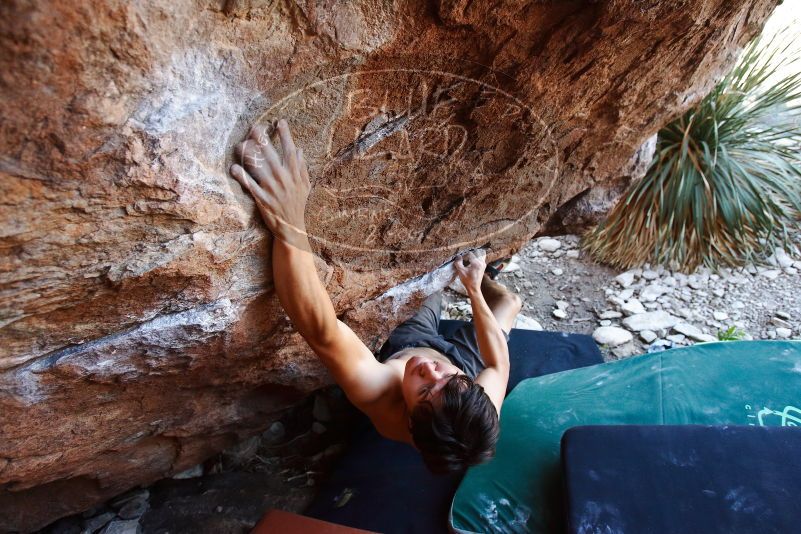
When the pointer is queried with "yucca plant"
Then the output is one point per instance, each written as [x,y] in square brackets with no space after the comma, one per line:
[724,187]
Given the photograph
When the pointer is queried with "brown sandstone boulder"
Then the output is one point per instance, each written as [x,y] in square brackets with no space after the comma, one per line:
[139,332]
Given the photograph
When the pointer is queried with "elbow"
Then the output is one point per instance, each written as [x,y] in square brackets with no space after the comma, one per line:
[324,334]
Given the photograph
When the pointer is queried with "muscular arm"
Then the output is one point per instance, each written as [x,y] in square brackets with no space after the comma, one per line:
[280,190]
[493,349]
[491,342]
[306,302]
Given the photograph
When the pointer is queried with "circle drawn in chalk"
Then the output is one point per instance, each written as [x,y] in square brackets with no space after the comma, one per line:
[406,150]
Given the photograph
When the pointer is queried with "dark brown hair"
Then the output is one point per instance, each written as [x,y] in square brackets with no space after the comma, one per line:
[459,431]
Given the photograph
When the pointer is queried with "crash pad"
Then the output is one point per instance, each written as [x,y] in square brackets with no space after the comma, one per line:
[669,479]
[734,383]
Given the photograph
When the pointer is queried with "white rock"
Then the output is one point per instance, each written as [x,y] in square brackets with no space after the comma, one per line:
[738,305]
[771,274]
[625,279]
[625,350]
[559,314]
[784,333]
[617,301]
[654,320]
[626,294]
[651,305]
[676,338]
[648,336]
[192,472]
[648,274]
[782,258]
[562,305]
[549,245]
[632,307]
[610,314]
[778,321]
[695,282]
[685,312]
[525,322]
[611,336]
[791,270]
[720,316]
[652,292]
[670,281]
[605,322]
[572,254]
[512,266]
[692,332]
[130,526]
[557,271]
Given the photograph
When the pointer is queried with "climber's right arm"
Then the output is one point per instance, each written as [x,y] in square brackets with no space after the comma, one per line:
[306,302]
[280,190]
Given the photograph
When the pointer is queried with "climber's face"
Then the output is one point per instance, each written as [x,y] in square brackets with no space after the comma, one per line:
[424,378]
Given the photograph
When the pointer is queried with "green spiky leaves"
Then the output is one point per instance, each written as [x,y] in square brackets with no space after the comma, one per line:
[724,187]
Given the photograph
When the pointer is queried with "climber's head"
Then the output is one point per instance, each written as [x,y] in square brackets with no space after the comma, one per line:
[453,422]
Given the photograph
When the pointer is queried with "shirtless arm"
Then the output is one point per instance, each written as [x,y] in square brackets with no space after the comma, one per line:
[491,342]
[280,189]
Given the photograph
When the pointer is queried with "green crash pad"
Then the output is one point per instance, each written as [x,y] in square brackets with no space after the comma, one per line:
[724,383]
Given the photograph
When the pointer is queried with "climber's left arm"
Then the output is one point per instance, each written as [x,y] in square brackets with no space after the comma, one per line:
[280,189]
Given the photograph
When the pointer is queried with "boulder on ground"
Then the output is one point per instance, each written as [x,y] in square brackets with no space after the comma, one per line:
[612,336]
[138,299]
[655,320]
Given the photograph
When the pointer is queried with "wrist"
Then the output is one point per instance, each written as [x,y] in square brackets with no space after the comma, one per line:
[293,236]
[474,291]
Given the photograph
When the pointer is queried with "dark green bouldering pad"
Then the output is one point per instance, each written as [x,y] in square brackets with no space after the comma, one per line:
[733,383]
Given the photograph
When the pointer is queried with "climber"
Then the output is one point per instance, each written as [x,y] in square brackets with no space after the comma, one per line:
[442,396]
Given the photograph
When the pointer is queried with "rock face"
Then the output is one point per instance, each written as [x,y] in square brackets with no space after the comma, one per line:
[139,332]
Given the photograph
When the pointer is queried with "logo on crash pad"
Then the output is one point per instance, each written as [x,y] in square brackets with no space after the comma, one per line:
[789,416]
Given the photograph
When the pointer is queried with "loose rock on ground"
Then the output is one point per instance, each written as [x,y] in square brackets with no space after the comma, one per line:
[659,307]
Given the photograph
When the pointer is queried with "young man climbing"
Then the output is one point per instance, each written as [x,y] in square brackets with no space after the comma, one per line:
[442,396]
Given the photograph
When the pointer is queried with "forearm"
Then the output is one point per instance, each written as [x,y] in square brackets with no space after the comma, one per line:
[300,291]
[491,340]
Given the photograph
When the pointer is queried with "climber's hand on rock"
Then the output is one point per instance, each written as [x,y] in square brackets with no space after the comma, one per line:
[280,188]
[470,269]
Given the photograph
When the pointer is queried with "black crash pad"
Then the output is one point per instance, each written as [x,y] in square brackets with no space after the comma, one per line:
[680,479]
[383,485]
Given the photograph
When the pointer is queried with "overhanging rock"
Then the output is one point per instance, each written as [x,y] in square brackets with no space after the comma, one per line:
[140,333]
